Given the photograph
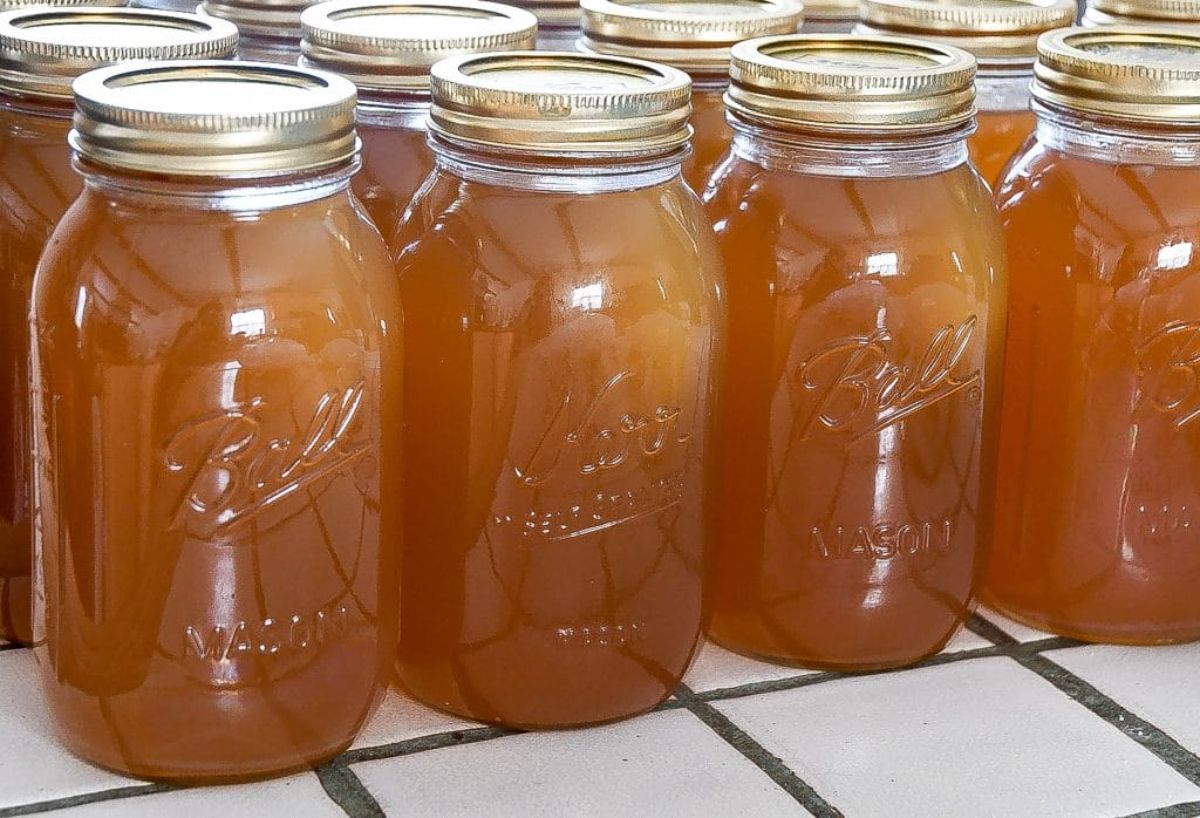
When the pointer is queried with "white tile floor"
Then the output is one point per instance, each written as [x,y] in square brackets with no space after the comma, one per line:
[1007,722]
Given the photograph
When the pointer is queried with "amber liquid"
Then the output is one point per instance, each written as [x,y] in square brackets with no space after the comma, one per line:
[217,396]
[866,320]
[558,399]
[1096,531]
[395,161]
[711,138]
[998,138]
[37,185]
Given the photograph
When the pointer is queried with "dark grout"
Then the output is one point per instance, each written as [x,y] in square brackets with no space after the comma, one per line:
[1188,810]
[1153,738]
[346,790]
[760,756]
[134,791]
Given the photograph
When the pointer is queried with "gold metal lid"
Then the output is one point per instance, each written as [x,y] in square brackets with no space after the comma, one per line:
[221,119]
[560,103]
[9,5]
[265,19]
[691,35]
[1147,75]
[1142,12]
[993,30]
[390,45]
[43,50]
[852,83]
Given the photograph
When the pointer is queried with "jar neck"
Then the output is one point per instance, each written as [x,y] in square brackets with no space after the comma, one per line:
[581,174]
[876,156]
[29,106]
[408,111]
[225,195]
[1003,89]
[1113,142]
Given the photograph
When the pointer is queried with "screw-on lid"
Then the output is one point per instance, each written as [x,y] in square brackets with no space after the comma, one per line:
[993,30]
[214,120]
[43,50]
[852,84]
[1149,75]
[692,35]
[390,45]
[560,103]
[10,5]
[1142,13]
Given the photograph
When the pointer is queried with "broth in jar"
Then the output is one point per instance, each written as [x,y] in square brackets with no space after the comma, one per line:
[866,293]
[216,375]
[41,52]
[562,323]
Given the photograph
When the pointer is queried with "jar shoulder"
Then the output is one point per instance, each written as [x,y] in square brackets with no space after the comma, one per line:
[139,278]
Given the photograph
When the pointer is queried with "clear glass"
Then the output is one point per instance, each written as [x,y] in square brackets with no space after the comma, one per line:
[396,158]
[37,185]
[1005,120]
[866,295]
[562,321]
[185,6]
[817,23]
[1098,485]
[216,378]
[712,132]
[556,36]
[283,51]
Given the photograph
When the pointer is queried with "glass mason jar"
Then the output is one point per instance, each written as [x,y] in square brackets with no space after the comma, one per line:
[562,320]
[693,37]
[386,48]
[1163,13]
[270,29]
[830,16]
[866,294]
[1002,35]
[43,50]
[558,22]
[1098,485]
[216,375]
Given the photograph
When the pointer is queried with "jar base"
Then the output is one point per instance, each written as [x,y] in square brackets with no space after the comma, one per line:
[826,665]
[1098,635]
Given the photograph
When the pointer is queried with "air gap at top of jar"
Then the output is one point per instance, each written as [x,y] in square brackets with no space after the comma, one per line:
[41,52]
[215,374]
[693,37]
[387,48]
[866,316]
[1098,486]
[562,316]
[1002,35]
[270,29]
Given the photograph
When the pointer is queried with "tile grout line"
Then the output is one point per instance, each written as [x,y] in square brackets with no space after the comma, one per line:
[347,790]
[1153,738]
[1189,810]
[759,756]
[115,794]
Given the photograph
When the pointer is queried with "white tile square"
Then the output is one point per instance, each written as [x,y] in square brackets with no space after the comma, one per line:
[1022,633]
[665,764]
[400,717]
[1158,684]
[300,796]
[33,765]
[717,669]
[978,737]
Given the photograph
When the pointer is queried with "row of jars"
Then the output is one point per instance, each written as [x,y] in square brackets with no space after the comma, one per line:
[568,415]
